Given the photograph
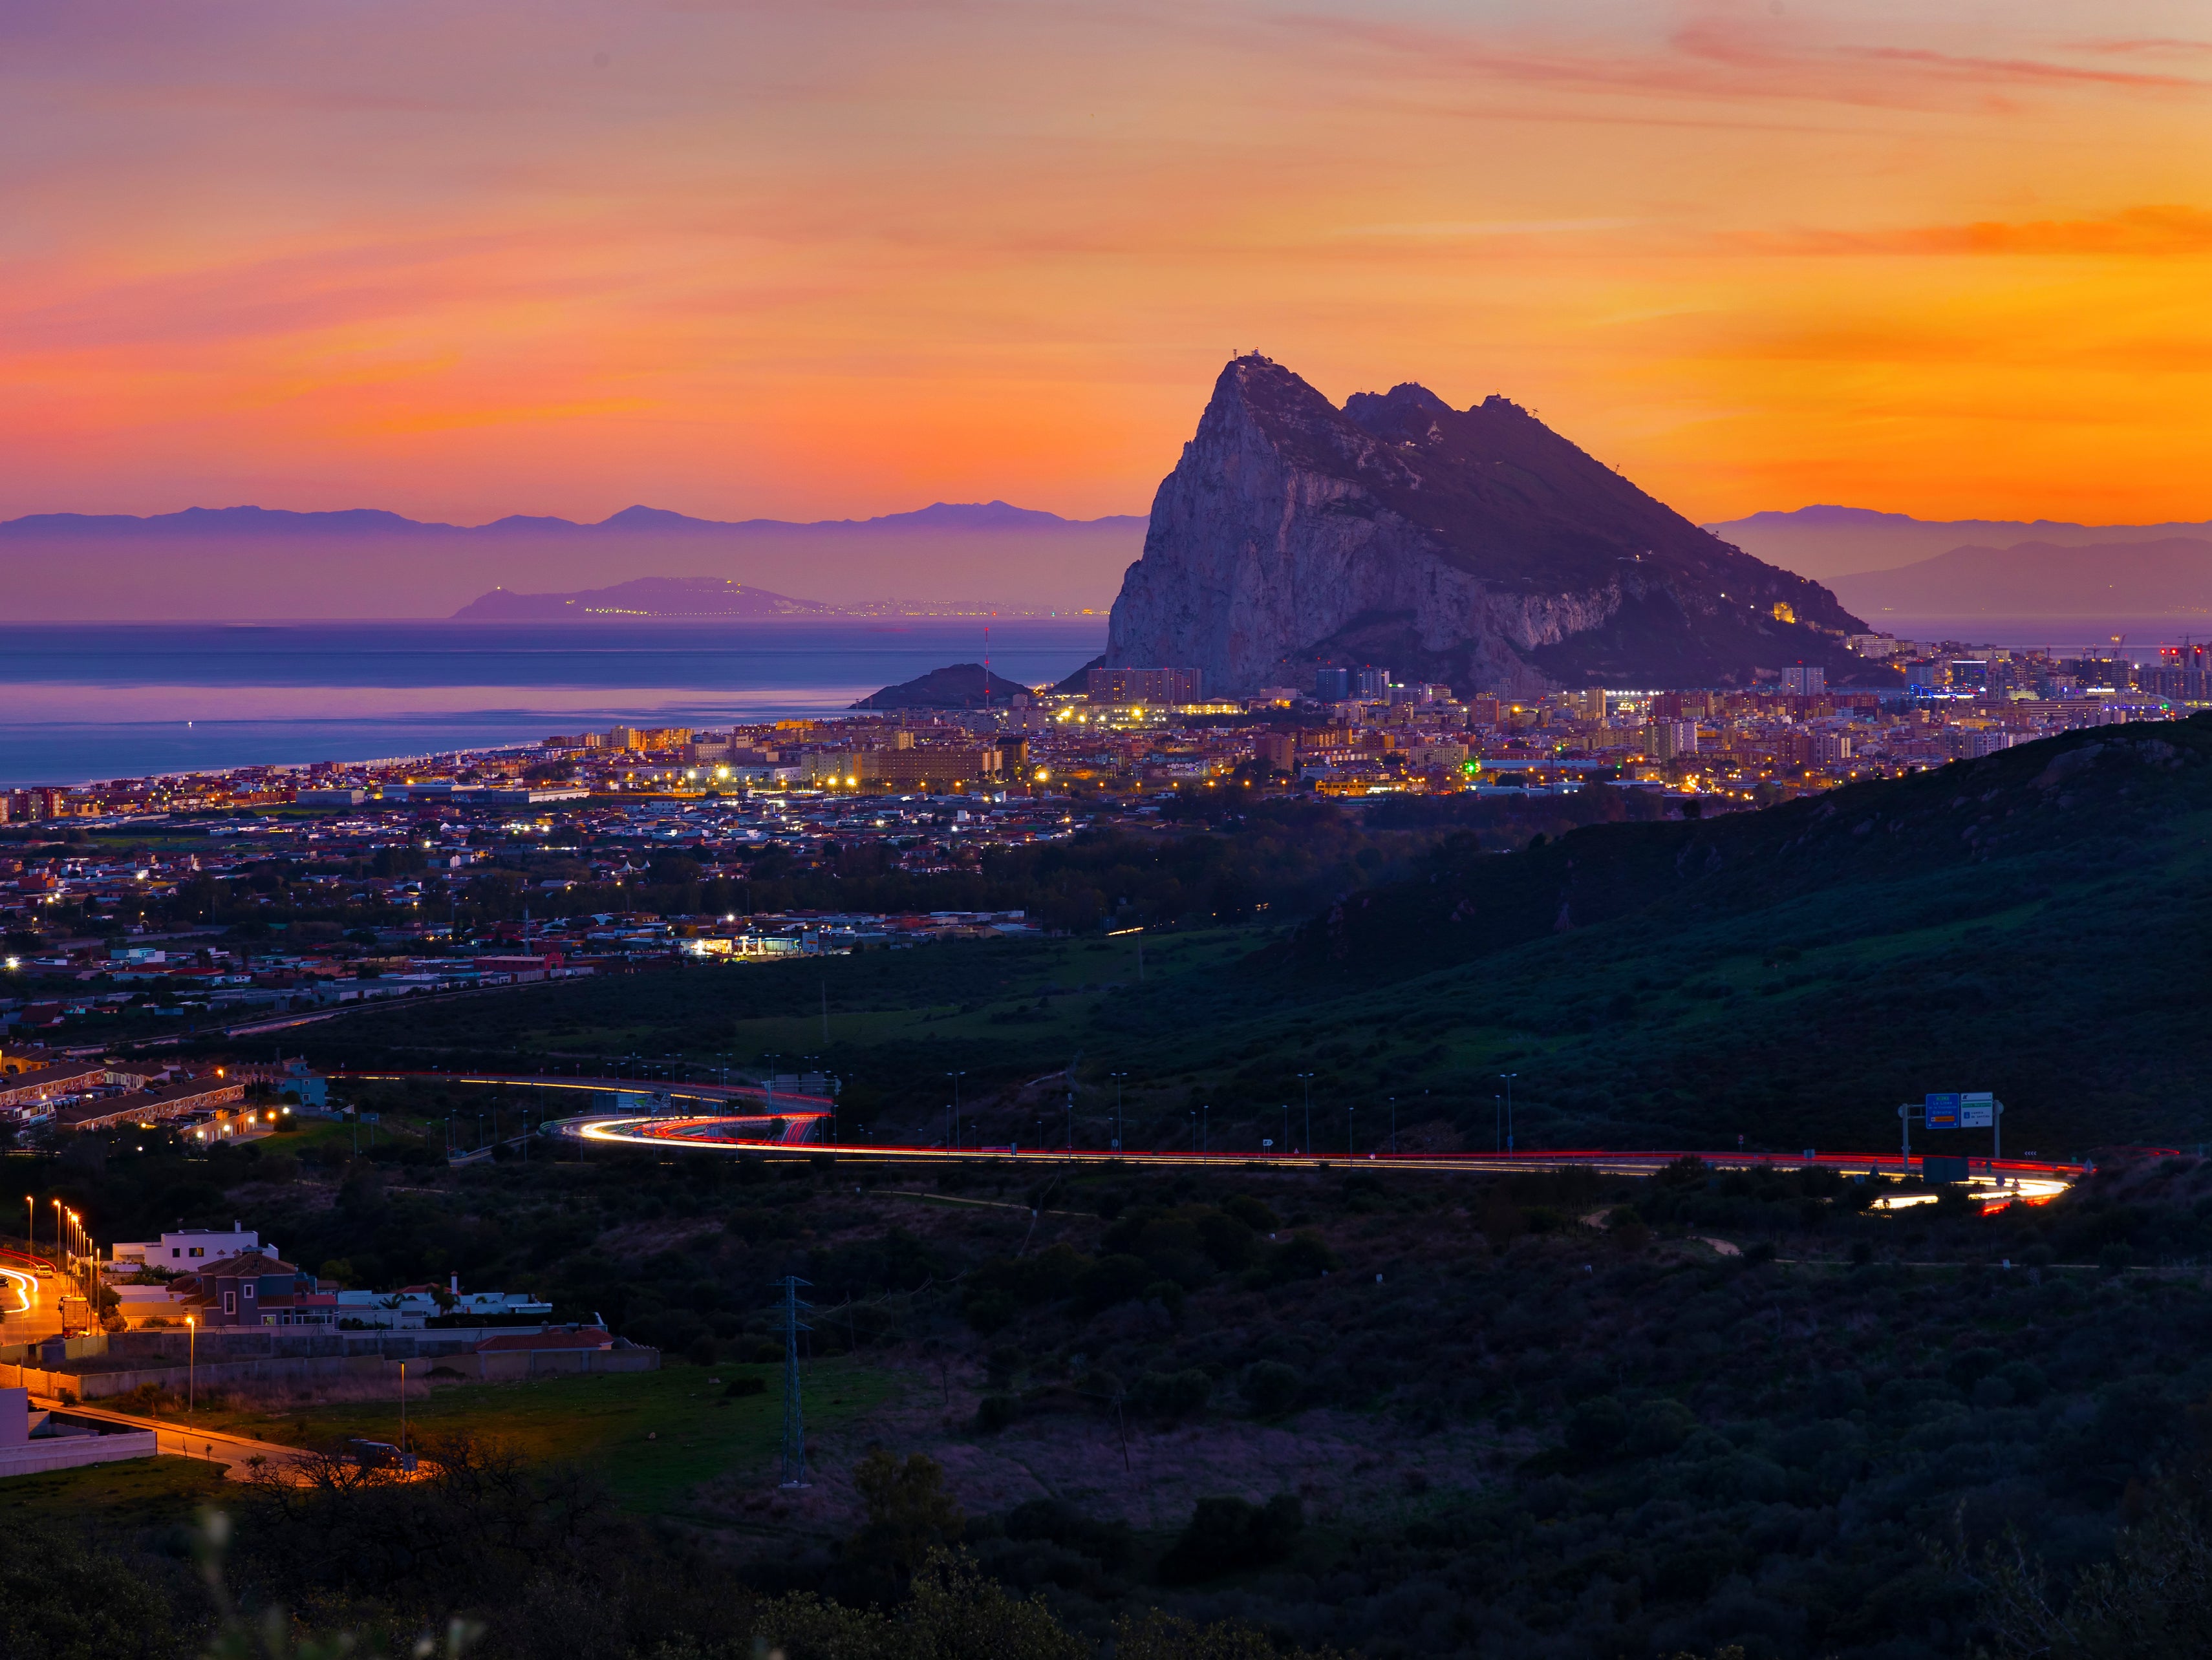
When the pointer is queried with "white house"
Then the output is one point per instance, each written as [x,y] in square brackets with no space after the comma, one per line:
[185,1252]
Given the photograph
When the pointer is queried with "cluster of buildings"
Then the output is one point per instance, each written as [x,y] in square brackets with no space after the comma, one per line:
[229,1279]
[919,792]
[73,1092]
[1355,728]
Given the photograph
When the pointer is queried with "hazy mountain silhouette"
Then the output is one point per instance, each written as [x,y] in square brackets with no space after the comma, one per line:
[249,562]
[1826,542]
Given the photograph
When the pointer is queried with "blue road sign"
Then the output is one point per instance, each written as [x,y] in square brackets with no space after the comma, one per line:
[1943,1111]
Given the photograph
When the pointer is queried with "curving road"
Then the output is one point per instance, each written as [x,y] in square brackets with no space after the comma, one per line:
[1993,1181]
[805,1118]
[801,1114]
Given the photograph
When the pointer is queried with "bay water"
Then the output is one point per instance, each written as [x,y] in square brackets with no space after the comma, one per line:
[87,701]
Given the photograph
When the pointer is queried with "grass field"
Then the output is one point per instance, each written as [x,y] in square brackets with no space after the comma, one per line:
[652,1436]
[140,1492]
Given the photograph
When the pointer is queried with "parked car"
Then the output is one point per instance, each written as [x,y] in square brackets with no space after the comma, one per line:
[381,1455]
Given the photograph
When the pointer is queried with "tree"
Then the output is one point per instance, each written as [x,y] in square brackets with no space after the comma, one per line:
[2152,1601]
[910,1512]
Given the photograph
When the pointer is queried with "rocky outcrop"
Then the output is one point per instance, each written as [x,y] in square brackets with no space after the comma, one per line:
[961,685]
[1474,546]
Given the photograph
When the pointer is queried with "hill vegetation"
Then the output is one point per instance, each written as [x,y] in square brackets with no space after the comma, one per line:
[1404,1414]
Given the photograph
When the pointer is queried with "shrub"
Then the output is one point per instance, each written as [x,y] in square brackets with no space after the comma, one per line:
[1055,1522]
[1253,1213]
[1272,1388]
[1628,1227]
[1836,1393]
[1302,1256]
[1597,1426]
[1111,1279]
[909,1512]
[992,1310]
[994,1412]
[746,1386]
[1226,1536]
[1660,1426]
[1170,1395]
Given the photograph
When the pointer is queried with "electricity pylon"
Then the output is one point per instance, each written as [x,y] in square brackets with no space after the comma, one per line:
[794,1418]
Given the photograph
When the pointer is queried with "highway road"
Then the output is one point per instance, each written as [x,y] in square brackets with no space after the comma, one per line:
[803,1115]
[806,1118]
[1992,1181]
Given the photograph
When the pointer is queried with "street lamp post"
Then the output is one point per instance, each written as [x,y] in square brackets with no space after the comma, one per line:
[955,1077]
[1117,1077]
[191,1361]
[1306,1078]
[1509,1077]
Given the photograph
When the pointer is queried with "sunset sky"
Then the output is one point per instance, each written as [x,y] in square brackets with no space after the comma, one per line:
[820,259]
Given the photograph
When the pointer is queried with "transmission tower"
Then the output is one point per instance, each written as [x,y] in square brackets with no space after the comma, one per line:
[794,1417]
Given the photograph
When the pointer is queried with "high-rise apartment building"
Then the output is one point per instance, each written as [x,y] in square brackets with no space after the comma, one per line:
[1671,738]
[1148,686]
[1804,680]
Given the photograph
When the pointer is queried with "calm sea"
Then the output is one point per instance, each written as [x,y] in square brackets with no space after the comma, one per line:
[81,701]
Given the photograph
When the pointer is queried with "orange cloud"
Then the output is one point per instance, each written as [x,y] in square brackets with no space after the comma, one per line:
[2158,232]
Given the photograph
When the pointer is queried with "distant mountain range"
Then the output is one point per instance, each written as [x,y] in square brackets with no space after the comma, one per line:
[246,563]
[2170,577]
[654,598]
[696,598]
[987,516]
[1825,544]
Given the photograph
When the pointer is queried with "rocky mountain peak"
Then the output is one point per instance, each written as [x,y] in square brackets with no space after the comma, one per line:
[1406,401]
[1477,546]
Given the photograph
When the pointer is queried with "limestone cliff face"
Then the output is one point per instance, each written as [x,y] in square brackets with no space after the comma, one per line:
[1475,547]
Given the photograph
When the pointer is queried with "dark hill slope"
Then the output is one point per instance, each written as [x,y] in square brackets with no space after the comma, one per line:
[2033,923]
[1958,841]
